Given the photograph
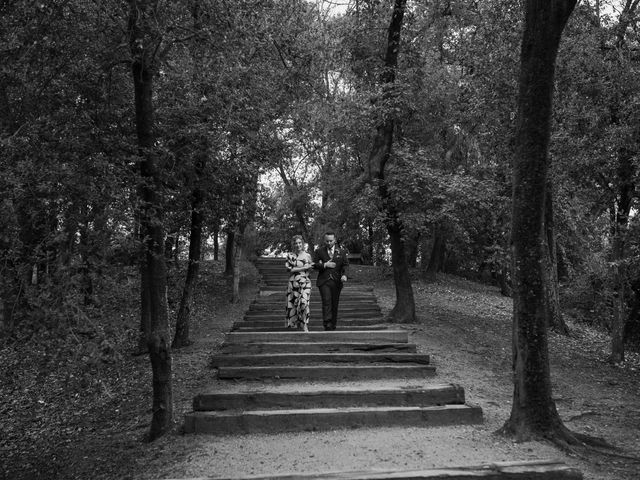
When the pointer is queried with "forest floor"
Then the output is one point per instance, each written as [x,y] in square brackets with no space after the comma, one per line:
[79,407]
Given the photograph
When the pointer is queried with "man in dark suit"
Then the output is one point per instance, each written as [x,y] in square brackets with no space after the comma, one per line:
[332,263]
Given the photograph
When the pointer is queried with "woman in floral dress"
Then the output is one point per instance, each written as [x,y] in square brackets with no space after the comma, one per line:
[298,286]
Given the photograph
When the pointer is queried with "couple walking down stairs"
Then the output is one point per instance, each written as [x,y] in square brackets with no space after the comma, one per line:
[364,375]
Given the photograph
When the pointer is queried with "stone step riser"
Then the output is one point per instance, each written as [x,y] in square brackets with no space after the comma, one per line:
[300,359]
[330,419]
[382,336]
[278,321]
[329,347]
[365,301]
[277,297]
[372,317]
[280,289]
[314,307]
[312,328]
[315,303]
[418,397]
[327,372]
[534,470]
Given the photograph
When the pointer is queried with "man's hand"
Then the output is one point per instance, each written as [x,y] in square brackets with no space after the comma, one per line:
[343,278]
[330,264]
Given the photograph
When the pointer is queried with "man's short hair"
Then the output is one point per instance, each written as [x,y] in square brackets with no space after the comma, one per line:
[329,232]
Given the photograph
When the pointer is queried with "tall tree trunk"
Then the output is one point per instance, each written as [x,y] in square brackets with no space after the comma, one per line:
[533,412]
[626,187]
[554,314]
[371,244]
[216,239]
[237,257]
[229,251]
[632,325]
[144,39]
[181,337]
[411,244]
[438,251]
[404,309]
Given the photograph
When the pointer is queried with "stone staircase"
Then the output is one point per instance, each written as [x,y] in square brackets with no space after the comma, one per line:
[364,374]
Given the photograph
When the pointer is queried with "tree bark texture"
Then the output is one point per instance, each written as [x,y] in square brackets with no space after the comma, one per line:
[404,309]
[144,40]
[216,240]
[228,252]
[438,253]
[533,410]
[237,257]
[554,313]
[626,189]
[181,337]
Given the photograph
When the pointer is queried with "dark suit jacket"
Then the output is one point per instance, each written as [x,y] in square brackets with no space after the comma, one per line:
[340,257]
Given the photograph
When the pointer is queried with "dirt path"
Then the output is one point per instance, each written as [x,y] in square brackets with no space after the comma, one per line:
[466,328]
[75,409]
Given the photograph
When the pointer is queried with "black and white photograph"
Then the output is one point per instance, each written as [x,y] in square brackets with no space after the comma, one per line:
[319,239]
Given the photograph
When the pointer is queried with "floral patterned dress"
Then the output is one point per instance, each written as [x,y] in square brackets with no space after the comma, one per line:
[298,292]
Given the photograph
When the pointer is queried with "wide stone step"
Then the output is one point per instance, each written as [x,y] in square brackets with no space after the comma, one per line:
[278,321]
[356,288]
[283,279]
[277,298]
[344,301]
[326,372]
[316,419]
[382,336]
[312,328]
[526,470]
[241,360]
[371,317]
[318,347]
[416,396]
[313,307]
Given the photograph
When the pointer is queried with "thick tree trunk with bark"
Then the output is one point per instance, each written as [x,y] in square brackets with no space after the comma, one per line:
[228,252]
[216,239]
[554,314]
[237,257]
[411,245]
[533,412]
[181,337]
[438,252]
[632,325]
[626,188]
[404,309]
[144,39]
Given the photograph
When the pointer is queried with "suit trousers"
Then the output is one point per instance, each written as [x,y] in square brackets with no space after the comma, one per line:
[330,294]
